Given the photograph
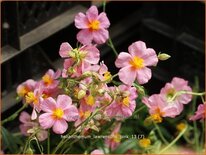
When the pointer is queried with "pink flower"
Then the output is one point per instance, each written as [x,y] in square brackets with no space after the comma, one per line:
[83,115]
[114,139]
[134,64]
[57,113]
[49,80]
[124,104]
[93,26]
[97,151]
[159,107]
[200,113]
[28,124]
[79,59]
[26,87]
[176,86]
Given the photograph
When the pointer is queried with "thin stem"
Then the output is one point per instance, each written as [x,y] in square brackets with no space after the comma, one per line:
[14,115]
[37,142]
[160,134]
[104,5]
[203,131]
[110,44]
[48,142]
[174,141]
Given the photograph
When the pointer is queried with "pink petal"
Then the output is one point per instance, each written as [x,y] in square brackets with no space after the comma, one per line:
[57,74]
[42,135]
[60,126]
[100,36]
[96,152]
[150,57]
[92,13]
[50,72]
[123,60]
[34,114]
[24,117]
[85,36]
[81,21]
[144,75]
[64,50]
[71,114]
[137,48]
[48,105]
[68,63]
[46,121]
[127,75]
[93,54]
[64,102]
[104,22]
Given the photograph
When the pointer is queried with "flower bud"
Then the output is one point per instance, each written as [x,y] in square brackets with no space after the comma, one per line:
[81,94]
[163,56]
[29,151]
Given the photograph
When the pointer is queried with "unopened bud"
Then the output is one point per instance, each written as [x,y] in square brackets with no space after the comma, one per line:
[163,56]
[81,94]
[29,151]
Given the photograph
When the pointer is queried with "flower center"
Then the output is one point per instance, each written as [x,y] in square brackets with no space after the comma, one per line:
[94,25]
[116,138]
[58,113]
[107,76]
[125,101]
[31,98]
[145,142]
[180,126]
[85,114]
[23,91]
[77,55]
[137,62]
[47,79]
[170,94]
[90,100]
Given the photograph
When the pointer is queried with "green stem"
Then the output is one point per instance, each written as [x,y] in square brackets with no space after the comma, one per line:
[14,115]
[174,141]
[104,5]
[48,142]
[203,136]
[110,44]
[38,145]
[160,134]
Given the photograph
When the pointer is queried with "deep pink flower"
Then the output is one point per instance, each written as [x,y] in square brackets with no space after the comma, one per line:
[200,113]
[114,139]
[134,64]
[26,87]
[96,152]
[93,26]
[177,85]
[124,104]
[28,124]
[159,107]
[57,113]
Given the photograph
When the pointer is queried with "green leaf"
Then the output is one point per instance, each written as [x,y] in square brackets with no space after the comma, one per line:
[9,141]
[126,145]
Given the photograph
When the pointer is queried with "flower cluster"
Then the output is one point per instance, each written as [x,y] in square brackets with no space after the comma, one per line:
[84,90]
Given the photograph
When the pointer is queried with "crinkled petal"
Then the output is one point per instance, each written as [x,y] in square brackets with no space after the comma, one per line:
[64,50]
[71,113]
[93,54]
[46,121]
[60,126]
[81,21]
[144,75]
[137,49]
[24,117]
[48,105]
[92,13]
[123,60]
[85,36]
[127,75]
[150,57]
[104,21]
[100,36]
[64,102]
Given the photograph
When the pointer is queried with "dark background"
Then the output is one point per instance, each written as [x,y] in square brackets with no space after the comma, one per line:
[176,28]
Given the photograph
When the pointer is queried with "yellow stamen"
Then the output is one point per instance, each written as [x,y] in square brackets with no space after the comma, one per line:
[107,76]
[23,91]
[58,113]
[90,100]
[47,79]
[156,118]
[145,142]
[137,63]
[181,126]
[126,101]
[116,137]
[94,25]
[31,98]
[85,114]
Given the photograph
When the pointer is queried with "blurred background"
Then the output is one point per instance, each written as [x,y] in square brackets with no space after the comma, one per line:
[32,33]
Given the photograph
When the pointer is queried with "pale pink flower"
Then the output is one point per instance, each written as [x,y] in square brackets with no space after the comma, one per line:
[26,87]
[124,104]
[49,80]
[28,124]
[58,113]
[176,86]
[96,152]
[200,113]
[134,64]
[159,107]
[114,139]
[93,26]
